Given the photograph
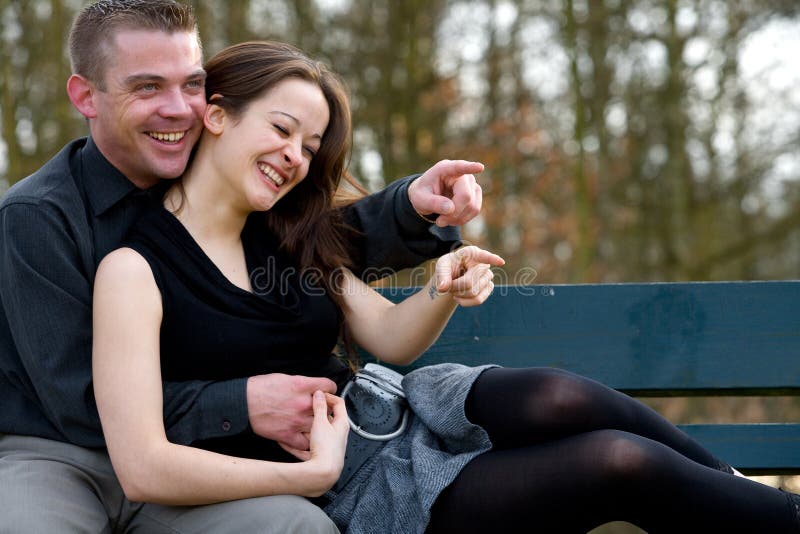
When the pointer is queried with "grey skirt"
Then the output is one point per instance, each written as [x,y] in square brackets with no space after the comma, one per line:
[394,490]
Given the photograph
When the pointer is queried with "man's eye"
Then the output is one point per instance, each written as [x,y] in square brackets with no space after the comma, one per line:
[148,87]
[194,84]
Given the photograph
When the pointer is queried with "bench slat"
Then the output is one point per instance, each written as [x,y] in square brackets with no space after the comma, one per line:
[655,339]
[659,339]
[763,448]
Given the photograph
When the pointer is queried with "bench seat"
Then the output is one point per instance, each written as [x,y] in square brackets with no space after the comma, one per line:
[651,340]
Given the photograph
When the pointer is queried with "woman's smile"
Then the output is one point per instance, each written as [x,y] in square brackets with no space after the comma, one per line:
[273,176]
[277,136]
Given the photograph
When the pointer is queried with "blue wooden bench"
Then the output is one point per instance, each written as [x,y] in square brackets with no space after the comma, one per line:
[656,340]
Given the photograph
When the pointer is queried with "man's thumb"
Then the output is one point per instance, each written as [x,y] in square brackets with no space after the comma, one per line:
[433,203]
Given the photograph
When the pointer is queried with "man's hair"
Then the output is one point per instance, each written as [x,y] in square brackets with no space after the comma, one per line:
[94,28]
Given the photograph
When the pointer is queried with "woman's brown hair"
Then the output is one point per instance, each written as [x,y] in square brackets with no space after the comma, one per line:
[305,220]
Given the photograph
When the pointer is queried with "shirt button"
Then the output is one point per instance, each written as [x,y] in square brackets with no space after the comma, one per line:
[226,425]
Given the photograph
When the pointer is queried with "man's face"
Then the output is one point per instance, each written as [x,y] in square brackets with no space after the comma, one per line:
[150,114]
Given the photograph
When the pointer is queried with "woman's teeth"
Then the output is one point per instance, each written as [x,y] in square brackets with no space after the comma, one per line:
[270,173]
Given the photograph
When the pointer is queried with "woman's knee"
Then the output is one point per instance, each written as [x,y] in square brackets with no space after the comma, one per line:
[540,402]
[628,457]
[565,394]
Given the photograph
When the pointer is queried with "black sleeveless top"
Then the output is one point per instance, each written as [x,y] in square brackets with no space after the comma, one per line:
[213,330]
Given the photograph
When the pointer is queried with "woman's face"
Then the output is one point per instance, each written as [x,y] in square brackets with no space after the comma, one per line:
[267,150]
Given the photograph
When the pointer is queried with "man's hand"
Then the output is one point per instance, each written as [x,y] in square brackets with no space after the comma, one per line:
[466,274]
[328,436]
[448,192]
[280,406]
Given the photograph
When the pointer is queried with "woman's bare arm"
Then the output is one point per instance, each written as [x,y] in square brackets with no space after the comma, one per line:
[128,390]
[399,333]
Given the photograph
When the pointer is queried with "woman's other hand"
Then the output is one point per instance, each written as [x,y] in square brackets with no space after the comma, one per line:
[328,438]
[466,274]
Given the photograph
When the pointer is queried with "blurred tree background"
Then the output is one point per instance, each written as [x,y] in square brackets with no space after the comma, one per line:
[624,140]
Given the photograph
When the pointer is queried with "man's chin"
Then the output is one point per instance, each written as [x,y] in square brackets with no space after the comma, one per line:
[171,168]
[157,175]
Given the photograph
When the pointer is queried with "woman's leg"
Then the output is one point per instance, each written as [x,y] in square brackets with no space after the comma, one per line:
[536,405]
[576,483]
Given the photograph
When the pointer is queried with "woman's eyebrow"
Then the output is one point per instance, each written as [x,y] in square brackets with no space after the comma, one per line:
[293,118]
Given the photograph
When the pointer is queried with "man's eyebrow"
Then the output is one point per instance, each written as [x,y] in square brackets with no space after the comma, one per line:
[295,119]
[134,79]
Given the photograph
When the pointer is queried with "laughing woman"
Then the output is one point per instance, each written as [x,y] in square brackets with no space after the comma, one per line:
[243,271]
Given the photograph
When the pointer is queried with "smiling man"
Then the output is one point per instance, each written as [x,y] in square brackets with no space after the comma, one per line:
[138,80]
[145,112]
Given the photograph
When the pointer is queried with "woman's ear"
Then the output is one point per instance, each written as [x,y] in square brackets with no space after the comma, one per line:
[214,118]
[81,93]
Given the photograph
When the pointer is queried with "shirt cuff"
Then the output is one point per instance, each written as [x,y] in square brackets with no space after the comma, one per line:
[408,220]
[224,408]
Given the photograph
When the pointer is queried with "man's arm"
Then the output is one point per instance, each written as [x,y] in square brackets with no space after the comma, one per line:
[395,225]
[391,235]
[47,301]
[198,410]
[46,294]
[275,406]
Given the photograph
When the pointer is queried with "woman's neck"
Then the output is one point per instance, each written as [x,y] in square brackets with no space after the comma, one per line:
[204,205]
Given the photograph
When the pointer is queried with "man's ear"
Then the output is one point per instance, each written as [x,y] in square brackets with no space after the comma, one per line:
[214,118]
[81,93]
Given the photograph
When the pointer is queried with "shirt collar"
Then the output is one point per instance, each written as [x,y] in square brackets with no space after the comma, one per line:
[104,184]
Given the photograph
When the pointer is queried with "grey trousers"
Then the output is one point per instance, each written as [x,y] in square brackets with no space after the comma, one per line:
[48,486]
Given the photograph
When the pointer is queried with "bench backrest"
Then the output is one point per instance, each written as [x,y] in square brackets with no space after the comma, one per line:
[659,339]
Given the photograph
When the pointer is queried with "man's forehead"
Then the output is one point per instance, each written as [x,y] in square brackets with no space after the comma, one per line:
[152,33]
[154,53]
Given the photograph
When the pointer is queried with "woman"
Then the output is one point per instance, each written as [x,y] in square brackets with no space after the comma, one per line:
[243,272]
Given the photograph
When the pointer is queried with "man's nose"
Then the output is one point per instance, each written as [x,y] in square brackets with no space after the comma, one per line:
[176,104]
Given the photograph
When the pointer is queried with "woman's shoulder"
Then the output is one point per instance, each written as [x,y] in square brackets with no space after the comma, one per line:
[124,267]
[125,290]
[124,256]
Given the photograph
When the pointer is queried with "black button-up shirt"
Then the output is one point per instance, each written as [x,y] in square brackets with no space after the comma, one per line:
[55,227]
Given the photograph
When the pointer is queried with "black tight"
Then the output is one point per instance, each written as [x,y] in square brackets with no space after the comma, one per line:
[571,454]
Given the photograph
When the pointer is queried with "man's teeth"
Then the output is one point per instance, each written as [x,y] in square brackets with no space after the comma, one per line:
[171,137]
[270,173]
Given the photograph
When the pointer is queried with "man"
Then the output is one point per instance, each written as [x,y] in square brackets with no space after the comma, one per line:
[138,79]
